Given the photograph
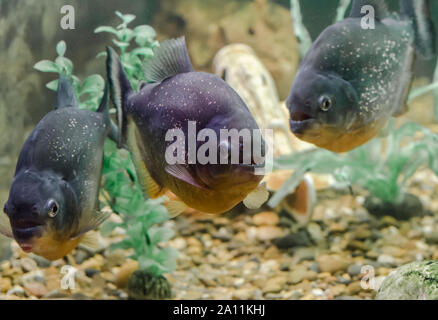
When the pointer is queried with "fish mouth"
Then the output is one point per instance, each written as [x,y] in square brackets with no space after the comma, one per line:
[301,122]
[24,231]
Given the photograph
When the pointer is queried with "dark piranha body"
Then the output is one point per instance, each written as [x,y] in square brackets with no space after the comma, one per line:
[176,96]
[353,79]
[53,198]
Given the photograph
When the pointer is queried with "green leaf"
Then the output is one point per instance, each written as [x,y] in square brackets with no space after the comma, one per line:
[53,85]
[92,84]
[60,48]
[144,35]
[121,44]
[47,66]
[143,51]
[101,54]
[126,18]
[108,227]
[160,234]
[105,29]
[65,64]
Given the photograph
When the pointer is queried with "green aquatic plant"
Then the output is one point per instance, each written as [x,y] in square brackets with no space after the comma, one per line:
[383,166]
[132,60]
[88,92]
[300,30]
[143,219]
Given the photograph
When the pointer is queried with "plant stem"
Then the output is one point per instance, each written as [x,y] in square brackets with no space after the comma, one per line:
[303,36]
[342,7]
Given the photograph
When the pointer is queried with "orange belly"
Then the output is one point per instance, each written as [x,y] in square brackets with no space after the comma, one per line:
[342,141]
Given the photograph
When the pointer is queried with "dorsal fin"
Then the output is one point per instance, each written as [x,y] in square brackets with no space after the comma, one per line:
[170,58]
[380,8]
[65,95]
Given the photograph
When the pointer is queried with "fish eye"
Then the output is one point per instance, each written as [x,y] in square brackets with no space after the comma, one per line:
[53,208]
[325,103]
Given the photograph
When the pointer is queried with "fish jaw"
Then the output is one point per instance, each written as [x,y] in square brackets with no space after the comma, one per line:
[25,233]
[340,140]
[49,247]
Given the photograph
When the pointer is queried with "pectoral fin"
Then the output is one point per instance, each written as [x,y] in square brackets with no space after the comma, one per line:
[5,226]
[257,197]
[181,172]
[175,207]
[90,221]
[91,240]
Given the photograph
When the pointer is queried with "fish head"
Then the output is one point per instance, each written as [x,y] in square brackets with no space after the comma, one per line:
[40,207]
[321,102]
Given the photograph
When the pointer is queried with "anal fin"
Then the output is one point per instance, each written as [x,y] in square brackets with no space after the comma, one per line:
[175,207]
[150,187]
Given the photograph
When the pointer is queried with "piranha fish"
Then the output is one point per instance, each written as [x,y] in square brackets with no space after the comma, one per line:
[53,198]
[353,79]
[175,96]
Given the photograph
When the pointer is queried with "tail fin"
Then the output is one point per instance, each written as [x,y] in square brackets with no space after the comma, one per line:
[419,12]
[104,109]
[120,88]
[65,95]
[170,58]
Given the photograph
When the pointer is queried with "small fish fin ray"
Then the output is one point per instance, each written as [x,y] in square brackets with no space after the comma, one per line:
[380,8]
[91,240]
[5,226]
[175,207]
[257,197]
[90,221]
[425,35]
[120,89]
[170,58]
[180,172]
[150,187]
[65,95]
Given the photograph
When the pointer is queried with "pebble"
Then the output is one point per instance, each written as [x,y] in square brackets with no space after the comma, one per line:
[332,263]
[354,269]
[16,291]
[223,234]
[315,232]
[274,285]
[293,240]
[125,272]
[387,260]
[36,289]
[55,294]
[5,284]
[28,264]
[266,218]
[268,233]
[41,262]
[354,288]
[318,292]
[297,275]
